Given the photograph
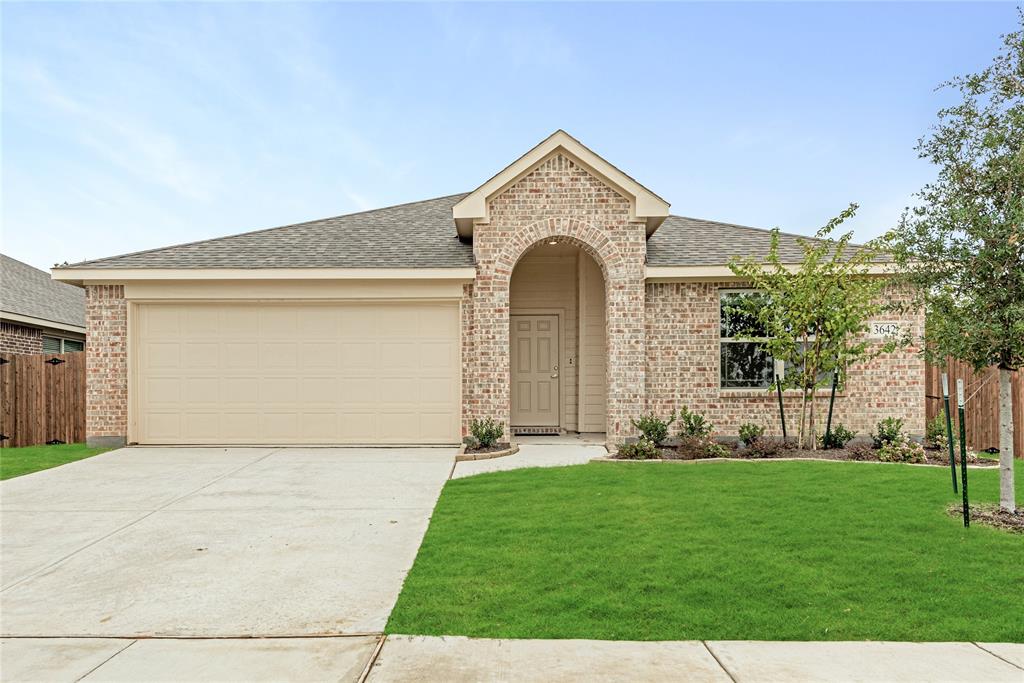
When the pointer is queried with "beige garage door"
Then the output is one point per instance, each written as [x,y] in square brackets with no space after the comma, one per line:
[296,373]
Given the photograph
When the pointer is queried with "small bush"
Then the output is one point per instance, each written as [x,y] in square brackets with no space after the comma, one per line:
[838,437]
[901,449]
[699,448]
[653,427]
[486,432]
[862,451]
[750,432]
[887,431]
[472,443]
[641,449]
[765,448]
[693,424]
[935,433]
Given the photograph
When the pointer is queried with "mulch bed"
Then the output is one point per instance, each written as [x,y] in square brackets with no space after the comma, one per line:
[991,515]
[503,446]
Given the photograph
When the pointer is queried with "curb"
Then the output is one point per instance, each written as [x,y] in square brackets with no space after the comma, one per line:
[463,456]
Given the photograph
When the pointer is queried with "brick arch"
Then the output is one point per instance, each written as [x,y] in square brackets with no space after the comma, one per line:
[565,229]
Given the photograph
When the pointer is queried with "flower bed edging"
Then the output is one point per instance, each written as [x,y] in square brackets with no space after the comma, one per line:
[463,456]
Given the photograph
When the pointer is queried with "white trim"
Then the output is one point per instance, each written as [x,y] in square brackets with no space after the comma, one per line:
[644,204]
[118,275]
[724,273]
[40,322]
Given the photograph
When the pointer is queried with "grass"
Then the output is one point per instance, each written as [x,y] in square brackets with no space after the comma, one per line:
[15,462]
[741,550]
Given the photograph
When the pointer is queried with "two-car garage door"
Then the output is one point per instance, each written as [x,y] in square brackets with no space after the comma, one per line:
[296,373]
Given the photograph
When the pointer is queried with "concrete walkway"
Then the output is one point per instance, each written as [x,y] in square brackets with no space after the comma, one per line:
[534,455]
[457,659]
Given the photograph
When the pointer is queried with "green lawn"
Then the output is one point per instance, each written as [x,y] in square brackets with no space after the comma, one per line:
[735,550]
[15,462]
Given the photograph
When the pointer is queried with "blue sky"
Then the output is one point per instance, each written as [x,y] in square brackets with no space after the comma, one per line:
[131,126]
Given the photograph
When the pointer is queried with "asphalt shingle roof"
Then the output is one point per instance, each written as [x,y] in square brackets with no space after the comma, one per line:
[25,290]
[422,235]
[416,235]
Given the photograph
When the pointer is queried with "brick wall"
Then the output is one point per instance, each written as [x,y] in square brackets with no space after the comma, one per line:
[106,398]
[561,200]
[683,369]
[20,339]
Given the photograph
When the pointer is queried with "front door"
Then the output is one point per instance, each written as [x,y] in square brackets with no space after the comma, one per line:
[535,370]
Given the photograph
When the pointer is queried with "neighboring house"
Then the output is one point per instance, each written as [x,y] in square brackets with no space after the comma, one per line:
[37,314]
[558,295]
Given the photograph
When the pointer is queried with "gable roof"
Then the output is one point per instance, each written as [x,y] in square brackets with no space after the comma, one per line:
[29,292]
[643,203]
[684,241]
[414,235]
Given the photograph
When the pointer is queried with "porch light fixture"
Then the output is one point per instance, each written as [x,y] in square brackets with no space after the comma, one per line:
[553,242]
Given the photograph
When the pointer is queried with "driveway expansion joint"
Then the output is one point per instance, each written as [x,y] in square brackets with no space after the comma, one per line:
[718,661]
[987,651]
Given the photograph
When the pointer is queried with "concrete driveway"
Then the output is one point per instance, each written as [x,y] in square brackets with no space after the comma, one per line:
[214,541]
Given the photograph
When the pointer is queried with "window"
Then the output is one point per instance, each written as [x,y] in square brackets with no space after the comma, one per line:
[744,362]
[59,345]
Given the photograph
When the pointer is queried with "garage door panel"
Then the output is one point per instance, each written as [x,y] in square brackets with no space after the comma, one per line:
[297,373]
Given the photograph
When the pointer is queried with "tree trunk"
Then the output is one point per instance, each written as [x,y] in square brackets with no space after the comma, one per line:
[812,436]
[1006,494]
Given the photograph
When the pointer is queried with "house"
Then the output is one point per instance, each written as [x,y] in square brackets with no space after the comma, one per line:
[37,314]
[560,294]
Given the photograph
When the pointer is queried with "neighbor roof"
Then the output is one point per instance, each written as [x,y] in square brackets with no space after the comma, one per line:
[420,235]
[30,292]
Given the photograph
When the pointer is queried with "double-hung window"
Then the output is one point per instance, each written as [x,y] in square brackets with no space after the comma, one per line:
[744,362]
[59,345]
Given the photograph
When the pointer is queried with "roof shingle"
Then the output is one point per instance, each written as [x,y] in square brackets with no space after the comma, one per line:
[28,291]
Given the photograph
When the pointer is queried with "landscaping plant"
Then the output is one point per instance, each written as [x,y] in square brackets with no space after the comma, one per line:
[653,427]
[815,317]
[935,433]
[750,432]
[486,431]
[901,449]
[961,249]
[642,449]
[700,447]
[838,437]
[693,424]
[887,431]
[765,448]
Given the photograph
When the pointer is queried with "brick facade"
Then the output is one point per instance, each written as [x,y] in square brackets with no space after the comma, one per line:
[683,369]
[559,200]
[106,398]
[19,339]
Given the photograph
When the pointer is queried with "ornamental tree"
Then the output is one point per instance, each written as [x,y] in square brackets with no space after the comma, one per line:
[962,247]
[813,315]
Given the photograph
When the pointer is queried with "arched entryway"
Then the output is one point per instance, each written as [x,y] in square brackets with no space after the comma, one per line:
[557,341]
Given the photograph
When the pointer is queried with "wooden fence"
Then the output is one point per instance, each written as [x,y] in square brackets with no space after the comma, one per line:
[981,411]
[42,398]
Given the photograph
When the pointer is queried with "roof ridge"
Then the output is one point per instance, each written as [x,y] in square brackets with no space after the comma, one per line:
[256,232]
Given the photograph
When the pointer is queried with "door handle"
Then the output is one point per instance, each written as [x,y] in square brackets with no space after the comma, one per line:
[554,373]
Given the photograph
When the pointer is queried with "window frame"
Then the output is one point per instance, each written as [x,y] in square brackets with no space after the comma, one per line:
[778,366]
[62,344]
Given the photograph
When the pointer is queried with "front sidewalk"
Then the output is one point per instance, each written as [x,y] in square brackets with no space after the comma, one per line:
[451,659]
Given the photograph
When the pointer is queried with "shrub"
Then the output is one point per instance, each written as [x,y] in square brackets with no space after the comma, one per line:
[699,448]
[765,448]
[935,433]
[653,427]
[641,449]
[901,449]
[693,424]
[472,443]
[862,451]
[486,432]
[750,432]
[887,431]
[838,437]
